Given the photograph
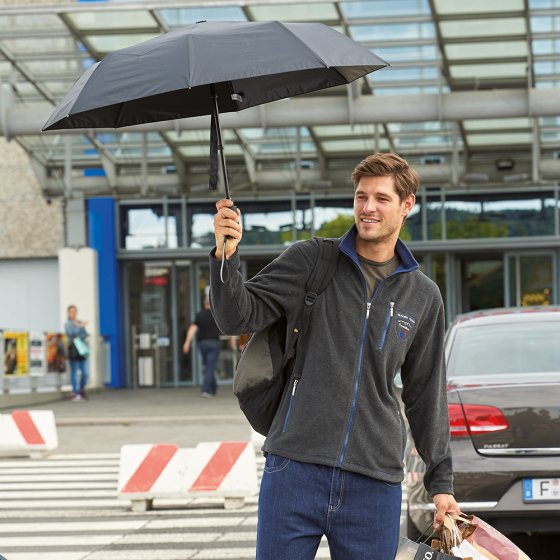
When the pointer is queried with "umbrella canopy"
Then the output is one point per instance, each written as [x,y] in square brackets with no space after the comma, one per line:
[182,73]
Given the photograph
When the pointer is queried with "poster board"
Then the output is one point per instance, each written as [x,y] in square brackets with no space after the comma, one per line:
[55,351]
[16,353]
[37,358]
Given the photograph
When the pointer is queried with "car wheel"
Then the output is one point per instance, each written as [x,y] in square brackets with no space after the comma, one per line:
[412,531]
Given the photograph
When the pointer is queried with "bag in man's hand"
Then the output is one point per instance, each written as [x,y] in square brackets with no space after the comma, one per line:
[468,536]
[410,550]
[270,355]
[488,541]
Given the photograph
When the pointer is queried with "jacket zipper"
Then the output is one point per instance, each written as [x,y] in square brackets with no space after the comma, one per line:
[356,386]
[386,327]
[360,356]
[287,419]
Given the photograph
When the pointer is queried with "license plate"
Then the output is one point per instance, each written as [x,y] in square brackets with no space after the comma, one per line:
[541,490]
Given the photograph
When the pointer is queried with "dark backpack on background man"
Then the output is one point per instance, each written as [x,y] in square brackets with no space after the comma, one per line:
[269,357]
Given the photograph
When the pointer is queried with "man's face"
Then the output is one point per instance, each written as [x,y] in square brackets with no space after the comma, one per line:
[72,313]
[378,211]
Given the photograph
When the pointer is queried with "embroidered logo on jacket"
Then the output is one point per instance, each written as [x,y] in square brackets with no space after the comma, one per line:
[405,323]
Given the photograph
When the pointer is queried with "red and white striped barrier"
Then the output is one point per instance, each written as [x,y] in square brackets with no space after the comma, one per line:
[212,469]
[27,432]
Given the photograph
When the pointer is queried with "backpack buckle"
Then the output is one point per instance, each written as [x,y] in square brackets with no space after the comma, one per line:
[310,298]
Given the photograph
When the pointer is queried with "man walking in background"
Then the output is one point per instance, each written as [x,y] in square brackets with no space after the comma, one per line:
[208,339]
[334,453]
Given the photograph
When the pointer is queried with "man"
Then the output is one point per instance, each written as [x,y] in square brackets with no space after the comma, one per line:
[208,336]
[334,462]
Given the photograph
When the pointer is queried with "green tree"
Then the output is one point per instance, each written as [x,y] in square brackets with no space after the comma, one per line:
[336,227]
[405,234]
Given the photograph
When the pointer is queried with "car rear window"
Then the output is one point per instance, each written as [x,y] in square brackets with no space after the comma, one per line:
[528,347]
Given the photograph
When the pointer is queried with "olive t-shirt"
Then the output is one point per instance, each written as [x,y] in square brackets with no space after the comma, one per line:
[376,272]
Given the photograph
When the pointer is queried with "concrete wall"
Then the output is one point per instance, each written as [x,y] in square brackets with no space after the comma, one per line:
[30,297]
[29,225]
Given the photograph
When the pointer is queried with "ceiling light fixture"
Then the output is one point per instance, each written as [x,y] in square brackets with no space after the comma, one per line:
[504,164]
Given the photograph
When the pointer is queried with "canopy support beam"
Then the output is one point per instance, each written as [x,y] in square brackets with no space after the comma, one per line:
[314,111]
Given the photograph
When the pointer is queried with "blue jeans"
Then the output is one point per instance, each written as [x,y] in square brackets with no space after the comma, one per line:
[210,352]
[301,502]
[75,367]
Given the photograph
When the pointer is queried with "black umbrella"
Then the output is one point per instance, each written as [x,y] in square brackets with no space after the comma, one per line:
[210,68]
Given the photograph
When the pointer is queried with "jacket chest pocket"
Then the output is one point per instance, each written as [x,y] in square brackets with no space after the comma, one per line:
[397,328]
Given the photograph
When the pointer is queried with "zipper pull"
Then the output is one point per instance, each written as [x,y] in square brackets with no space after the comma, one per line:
[368,308]
[392,305]
[295,385]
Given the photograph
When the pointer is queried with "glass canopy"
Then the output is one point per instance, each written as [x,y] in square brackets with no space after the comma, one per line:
[433,47]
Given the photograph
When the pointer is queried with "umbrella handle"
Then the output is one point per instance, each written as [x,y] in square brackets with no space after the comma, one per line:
[217,131]
[215,123]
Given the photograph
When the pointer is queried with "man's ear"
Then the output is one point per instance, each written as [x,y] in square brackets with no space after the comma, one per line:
[408,204]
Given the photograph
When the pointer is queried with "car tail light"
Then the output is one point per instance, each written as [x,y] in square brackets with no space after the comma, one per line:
[475,419]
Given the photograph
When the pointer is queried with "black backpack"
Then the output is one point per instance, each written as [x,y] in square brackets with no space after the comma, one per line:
[270,355]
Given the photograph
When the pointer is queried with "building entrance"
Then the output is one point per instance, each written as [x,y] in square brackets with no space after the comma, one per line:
[482,282]
[530,278]
[157,314]
[162,299]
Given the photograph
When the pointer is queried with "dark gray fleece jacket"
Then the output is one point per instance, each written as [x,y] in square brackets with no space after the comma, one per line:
[340,409]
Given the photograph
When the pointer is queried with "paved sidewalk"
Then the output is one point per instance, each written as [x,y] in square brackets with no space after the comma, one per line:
[111,418]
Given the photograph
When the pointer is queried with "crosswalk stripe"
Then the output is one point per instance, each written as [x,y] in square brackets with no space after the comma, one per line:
[80,539]
[59,477]
[199,522]
[13,486]
[77,504]
[19,473]
[62,555]
[56,494]
[67,526]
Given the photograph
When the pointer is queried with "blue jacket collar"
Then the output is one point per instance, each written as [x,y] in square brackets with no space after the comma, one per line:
[348,247]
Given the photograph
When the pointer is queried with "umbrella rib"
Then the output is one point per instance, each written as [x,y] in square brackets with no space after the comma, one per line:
[117,116]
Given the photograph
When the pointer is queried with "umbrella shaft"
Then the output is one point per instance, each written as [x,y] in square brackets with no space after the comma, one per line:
[219,137]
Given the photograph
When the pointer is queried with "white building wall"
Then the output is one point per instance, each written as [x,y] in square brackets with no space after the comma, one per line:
[30,298]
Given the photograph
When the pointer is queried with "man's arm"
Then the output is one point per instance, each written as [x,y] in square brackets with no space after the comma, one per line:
[277,290]
[191,331]
[425,397]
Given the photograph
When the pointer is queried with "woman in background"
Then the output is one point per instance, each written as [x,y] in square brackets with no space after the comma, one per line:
[76,330]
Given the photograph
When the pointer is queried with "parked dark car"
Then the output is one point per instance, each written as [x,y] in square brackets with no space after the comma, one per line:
[503,369]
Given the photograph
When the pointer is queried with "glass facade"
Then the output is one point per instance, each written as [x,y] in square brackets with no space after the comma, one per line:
[437,215]
[499,215]
[163,297]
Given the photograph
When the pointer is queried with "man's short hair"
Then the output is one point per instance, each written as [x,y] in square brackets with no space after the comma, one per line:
[406,179]
[71,307]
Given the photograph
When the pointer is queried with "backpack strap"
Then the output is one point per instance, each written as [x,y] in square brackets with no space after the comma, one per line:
[322,273]
[324,269]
